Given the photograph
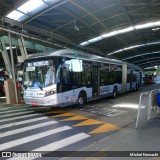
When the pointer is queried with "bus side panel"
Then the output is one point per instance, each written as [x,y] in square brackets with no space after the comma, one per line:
[71,97]
[107,90]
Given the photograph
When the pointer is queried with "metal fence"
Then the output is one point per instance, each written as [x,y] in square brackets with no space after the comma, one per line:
[148,106]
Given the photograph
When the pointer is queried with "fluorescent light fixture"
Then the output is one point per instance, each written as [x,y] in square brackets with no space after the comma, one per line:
[30,6]
[95,39]
[8,48]
[132,47]
[144,54]
[125,30]
[110,34]
[84,43]
[155,29]
[143,26]
[129,29]
[15,15]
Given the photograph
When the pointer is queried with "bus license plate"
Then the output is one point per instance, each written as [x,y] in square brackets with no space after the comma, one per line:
[34,103]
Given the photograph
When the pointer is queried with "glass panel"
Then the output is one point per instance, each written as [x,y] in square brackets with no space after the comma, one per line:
[30,6]
[16,15]
[51,1]
[39,74]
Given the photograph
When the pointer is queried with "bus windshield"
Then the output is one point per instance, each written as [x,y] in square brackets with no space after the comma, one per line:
[39,74]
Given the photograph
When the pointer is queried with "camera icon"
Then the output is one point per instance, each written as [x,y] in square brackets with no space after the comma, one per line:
[6,154]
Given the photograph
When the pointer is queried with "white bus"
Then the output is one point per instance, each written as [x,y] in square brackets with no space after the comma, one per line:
[66,77]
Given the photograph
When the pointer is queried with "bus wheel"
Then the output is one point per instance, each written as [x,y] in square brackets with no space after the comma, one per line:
[81,99]
[114,94]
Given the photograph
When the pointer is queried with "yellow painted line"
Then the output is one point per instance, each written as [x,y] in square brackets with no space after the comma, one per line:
[64,115]
[74,118]
[89,122]
[105,128]
[57,111]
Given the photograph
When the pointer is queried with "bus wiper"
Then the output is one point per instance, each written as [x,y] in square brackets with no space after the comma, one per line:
[27,85]
[39,85]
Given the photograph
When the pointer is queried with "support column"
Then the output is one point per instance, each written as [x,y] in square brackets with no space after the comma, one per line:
[124,77]
[6,58]
[23,49]
[12,60]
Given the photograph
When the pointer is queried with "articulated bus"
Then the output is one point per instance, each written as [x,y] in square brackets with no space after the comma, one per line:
[149,79]
[66,77]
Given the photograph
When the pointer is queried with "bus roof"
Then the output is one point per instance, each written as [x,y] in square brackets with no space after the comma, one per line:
[77,54]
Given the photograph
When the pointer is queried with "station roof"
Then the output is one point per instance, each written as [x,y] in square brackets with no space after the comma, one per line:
[127,30]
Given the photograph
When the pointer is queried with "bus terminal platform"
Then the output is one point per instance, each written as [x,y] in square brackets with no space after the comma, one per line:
[103,125]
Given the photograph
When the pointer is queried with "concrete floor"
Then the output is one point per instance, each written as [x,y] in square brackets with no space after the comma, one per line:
[104,125]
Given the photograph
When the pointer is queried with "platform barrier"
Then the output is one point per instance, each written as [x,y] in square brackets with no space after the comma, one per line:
[148,106]
[153,108]
[142,114]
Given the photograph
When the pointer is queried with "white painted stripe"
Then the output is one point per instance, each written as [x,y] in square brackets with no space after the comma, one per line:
[57,145]
[15,118]
[24,129]
[13,110]
[15,114]
[24,140]
[5,107]
[2,109]
[63,143]
[22,122]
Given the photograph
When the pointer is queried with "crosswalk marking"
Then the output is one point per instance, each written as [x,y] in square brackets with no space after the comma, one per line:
[9,107]
[13,110]
[6,108]
[20,130]
[15,118]
[17,113]
[23,122]
[63,142]
[2,109]
[57,145]
[24,140]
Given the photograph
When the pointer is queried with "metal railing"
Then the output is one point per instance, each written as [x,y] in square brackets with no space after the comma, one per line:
[142,109]
[148,106]
[153,108]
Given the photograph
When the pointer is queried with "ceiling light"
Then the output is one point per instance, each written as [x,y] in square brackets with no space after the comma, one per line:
[128,29]
[155,29]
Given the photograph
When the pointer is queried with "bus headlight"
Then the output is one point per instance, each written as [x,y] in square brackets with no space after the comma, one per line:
[48,93]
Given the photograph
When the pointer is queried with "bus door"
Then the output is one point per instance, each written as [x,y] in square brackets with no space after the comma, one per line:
[95,81]
[131,79]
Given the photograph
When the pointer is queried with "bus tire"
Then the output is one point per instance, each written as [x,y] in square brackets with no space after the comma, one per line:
[81,99]
[114,93]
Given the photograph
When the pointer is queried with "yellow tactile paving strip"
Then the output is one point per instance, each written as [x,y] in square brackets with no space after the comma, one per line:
[89,122]
[67,114]
[104,127]
[74,118]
